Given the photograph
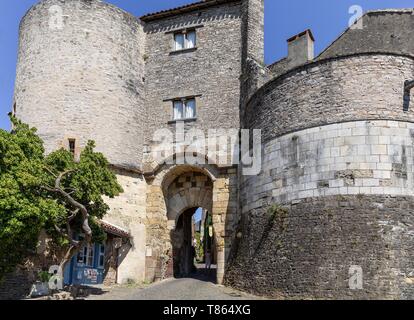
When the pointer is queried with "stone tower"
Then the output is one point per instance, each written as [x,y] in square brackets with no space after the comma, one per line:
[80,76]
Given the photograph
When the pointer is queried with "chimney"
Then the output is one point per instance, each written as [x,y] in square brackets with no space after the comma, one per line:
[301,48]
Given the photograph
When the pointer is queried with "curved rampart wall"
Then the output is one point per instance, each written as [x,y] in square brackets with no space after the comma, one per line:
[337,153]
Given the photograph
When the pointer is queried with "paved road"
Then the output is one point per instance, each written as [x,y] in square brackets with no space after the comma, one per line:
[175,289]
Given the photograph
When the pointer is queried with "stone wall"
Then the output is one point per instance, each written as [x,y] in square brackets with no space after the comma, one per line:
[331,91]
[349,190]
[16,285]
[190,190]
[382,31]
[253,30]
[338,143]
[308,253]
[211,71]
[129,211]
[344,172]
[83,79]
[226,217]
[362,157]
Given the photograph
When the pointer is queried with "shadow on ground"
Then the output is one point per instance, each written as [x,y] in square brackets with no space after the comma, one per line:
[203,274]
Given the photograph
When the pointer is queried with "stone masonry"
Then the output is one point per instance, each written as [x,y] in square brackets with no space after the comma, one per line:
[337,139]
[337,154]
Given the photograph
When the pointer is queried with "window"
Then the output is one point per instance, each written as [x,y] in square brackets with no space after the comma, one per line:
[184,109]
[89,260]
[185,40]
[72,146]
[101,262]
[85,256]
[179,41]
[191,39]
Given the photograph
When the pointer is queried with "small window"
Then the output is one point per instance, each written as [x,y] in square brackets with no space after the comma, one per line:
[85,256]
[14,109]
[179,41]
[178,110]
[191,39]
[101,262]
[185,40]
[90,255]
[190,109]
[72,146]
[184,109]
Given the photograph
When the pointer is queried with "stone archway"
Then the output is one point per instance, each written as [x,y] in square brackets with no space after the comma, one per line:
[190,190]
[169,194]
[184,249]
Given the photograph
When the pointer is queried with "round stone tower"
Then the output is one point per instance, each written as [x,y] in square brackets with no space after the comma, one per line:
[80,76]
[331,215]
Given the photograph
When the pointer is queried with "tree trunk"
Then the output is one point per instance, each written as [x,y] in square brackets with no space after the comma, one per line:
[75,246]
[70,253]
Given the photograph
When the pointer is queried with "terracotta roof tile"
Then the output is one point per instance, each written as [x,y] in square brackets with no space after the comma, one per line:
[184,9]
[114,230]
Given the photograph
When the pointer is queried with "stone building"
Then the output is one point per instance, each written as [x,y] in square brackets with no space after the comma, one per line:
[337,138]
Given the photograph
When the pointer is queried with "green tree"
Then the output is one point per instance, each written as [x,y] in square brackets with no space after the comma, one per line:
[53,193]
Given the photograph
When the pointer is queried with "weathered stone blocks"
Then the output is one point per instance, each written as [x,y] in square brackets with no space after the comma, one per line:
[310,255]
[342,89]
[314,167]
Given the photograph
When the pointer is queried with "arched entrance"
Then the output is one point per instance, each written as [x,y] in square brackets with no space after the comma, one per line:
[188,192]
[194,246]
[174,189]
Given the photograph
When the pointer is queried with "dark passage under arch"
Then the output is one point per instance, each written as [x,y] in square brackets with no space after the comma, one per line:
[193,245]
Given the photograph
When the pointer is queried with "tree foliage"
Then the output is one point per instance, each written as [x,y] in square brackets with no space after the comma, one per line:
[53,193]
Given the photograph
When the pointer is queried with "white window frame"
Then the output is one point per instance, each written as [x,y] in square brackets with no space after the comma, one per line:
[91,255]
[101,255]
[87,252]
[184,109]
[186,42]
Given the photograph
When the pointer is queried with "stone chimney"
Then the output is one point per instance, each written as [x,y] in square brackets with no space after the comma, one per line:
[301,48]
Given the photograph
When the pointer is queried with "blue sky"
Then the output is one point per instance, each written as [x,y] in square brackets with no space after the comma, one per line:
[197,215]
[326,18]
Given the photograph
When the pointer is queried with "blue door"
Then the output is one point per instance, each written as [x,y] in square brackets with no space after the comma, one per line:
[87,268]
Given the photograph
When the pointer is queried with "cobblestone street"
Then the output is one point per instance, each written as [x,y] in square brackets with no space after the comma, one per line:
[199,288]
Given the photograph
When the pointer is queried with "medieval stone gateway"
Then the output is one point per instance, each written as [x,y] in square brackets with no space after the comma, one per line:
[337,140]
